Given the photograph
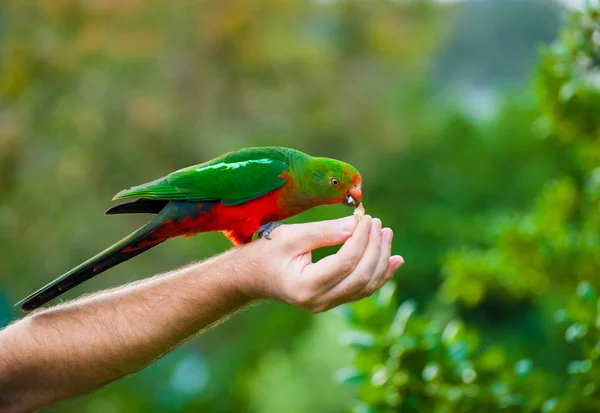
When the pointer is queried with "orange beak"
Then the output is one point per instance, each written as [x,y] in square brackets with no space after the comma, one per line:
[354,196]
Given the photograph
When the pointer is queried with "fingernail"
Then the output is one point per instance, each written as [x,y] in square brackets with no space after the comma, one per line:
[348,224]
[376,227]
[398,263]
[387,235]
[368,219]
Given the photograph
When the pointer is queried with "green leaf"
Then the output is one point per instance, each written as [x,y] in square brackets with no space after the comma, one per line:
[575,332]
[561,316]
[549,405]
[468,375]
[452,331]
[579,367]
[358,339]
[523,367]
[431,371]
[585,290]
[380,376]
[360,407]
[385,295]
[403,314]
[348,375]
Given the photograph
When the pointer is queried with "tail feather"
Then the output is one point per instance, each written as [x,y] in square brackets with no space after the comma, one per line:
[130,246]
[139,206]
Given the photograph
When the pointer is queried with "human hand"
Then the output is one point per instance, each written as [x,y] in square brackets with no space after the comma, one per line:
[284,270]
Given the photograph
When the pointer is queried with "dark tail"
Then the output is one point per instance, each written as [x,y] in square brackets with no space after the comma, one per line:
[139,206]
[130,246]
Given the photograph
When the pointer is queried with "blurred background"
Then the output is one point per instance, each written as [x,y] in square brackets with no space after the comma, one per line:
[473,123]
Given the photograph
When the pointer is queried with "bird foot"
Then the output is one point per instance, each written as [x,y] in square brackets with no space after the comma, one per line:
[265,230]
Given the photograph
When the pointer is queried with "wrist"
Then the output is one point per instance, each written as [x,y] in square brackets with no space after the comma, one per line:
[248,272]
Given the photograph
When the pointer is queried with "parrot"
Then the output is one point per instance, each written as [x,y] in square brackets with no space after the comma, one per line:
[241,194]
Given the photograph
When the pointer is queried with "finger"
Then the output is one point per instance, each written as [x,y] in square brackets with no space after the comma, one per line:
[302,238]
[330,270]
[394,263]
[382,265]
[362,274]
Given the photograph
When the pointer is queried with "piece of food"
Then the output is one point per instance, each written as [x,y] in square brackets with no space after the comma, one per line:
[359,211]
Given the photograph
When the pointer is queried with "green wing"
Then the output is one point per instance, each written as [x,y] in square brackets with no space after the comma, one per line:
[232,178]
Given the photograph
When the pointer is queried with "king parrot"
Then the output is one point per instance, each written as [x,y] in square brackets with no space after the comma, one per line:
[240,194]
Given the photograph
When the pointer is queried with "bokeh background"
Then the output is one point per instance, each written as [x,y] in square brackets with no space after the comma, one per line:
[475,125]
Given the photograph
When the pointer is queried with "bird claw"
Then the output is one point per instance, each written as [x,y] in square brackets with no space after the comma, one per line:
[265,230]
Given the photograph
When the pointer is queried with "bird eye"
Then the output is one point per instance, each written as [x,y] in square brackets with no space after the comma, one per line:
[335,182]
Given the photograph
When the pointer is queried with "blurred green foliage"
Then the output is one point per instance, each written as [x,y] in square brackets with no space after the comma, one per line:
[515,323]
[416,363]
[97,96]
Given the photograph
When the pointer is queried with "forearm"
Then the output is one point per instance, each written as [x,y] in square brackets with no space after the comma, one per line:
[78,347]
[75,348]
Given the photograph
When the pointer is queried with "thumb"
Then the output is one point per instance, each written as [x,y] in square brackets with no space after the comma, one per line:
[307,237]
